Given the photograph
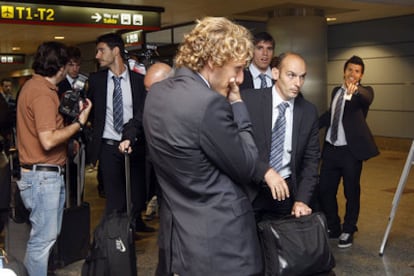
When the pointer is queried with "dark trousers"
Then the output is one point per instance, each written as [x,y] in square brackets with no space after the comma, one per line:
[267,208]
[5,191]
[112,169]
[153,188]
[337,163]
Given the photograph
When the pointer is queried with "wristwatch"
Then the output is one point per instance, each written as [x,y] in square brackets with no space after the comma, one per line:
[80,124]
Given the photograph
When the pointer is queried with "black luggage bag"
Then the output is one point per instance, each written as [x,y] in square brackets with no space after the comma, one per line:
[73,242]
[112,252]
[296,246]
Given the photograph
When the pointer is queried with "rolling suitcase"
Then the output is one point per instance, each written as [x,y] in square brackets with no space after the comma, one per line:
[112,252]
[73,242]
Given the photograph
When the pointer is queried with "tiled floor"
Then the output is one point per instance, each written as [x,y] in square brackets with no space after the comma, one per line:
[379,181]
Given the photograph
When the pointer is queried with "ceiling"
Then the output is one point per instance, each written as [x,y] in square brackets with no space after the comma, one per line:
[28,37]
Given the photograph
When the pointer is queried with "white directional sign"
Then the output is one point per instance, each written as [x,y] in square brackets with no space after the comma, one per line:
[104,15]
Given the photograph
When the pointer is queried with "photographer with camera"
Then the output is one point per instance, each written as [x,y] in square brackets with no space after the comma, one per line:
[72,88]
[42,142]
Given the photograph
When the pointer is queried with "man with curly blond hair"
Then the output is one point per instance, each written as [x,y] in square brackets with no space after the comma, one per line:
[200,139]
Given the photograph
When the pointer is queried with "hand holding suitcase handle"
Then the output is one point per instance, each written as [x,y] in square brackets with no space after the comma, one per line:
[127,182]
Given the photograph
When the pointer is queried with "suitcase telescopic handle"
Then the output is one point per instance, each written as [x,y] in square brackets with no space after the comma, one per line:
[127,182]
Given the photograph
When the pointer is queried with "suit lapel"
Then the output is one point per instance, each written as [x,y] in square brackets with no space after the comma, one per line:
[266,103]
[134,88]
[297,121]
[104,88]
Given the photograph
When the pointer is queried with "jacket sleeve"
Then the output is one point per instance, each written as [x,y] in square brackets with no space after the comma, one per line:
[307,172]
[226,138]
[325,118]
[133,130]
[365,95]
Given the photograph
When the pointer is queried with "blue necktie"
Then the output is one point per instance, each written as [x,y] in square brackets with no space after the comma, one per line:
[337,114]
[118,110]
[278,138]
[263,83]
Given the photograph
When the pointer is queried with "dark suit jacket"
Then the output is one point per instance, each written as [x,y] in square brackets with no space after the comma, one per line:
[64,86]
[305,140]
[97,92]
[247,80]
[5,116]
[203,154]
[357,133]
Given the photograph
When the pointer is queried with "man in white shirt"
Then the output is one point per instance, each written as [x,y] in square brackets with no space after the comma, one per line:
[259,74]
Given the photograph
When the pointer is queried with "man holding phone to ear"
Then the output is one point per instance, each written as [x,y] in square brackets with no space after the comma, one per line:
[348,143]
[204,156]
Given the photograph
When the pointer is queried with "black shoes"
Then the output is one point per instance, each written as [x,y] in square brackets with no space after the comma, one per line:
[345,240]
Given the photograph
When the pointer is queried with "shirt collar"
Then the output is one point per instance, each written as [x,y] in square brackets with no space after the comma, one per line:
[50,85]
[256,72]
[70,79]
[204,79]
[276,99]
[124,74]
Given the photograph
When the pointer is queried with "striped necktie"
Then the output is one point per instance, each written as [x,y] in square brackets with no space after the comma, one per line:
[337,114]
[118,110]
[263,83]
[278,138]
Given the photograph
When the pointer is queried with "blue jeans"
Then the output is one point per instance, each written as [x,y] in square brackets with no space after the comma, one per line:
[43,194]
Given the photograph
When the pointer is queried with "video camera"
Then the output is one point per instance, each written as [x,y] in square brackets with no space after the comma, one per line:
[69,103]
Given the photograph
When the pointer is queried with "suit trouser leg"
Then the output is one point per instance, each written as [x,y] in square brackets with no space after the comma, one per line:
[267,208]
[111,164]
[330,177]
[138,188]
[352,191]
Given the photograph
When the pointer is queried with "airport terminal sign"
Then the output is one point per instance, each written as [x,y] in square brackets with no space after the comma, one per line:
[32,13]
[11,59]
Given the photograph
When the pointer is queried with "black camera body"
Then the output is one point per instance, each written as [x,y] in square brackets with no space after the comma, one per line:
[69,102]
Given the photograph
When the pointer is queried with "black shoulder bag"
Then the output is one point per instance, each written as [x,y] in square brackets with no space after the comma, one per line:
[296,246]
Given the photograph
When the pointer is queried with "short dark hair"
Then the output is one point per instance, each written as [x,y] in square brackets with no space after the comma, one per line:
[3,80]
[113,40]
[263,36]
[355,60]
[50,57]
[74,53]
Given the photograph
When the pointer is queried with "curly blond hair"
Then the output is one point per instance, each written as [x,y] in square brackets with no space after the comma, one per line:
[216,39]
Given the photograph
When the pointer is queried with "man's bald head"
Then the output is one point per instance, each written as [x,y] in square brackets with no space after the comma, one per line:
[155,73]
